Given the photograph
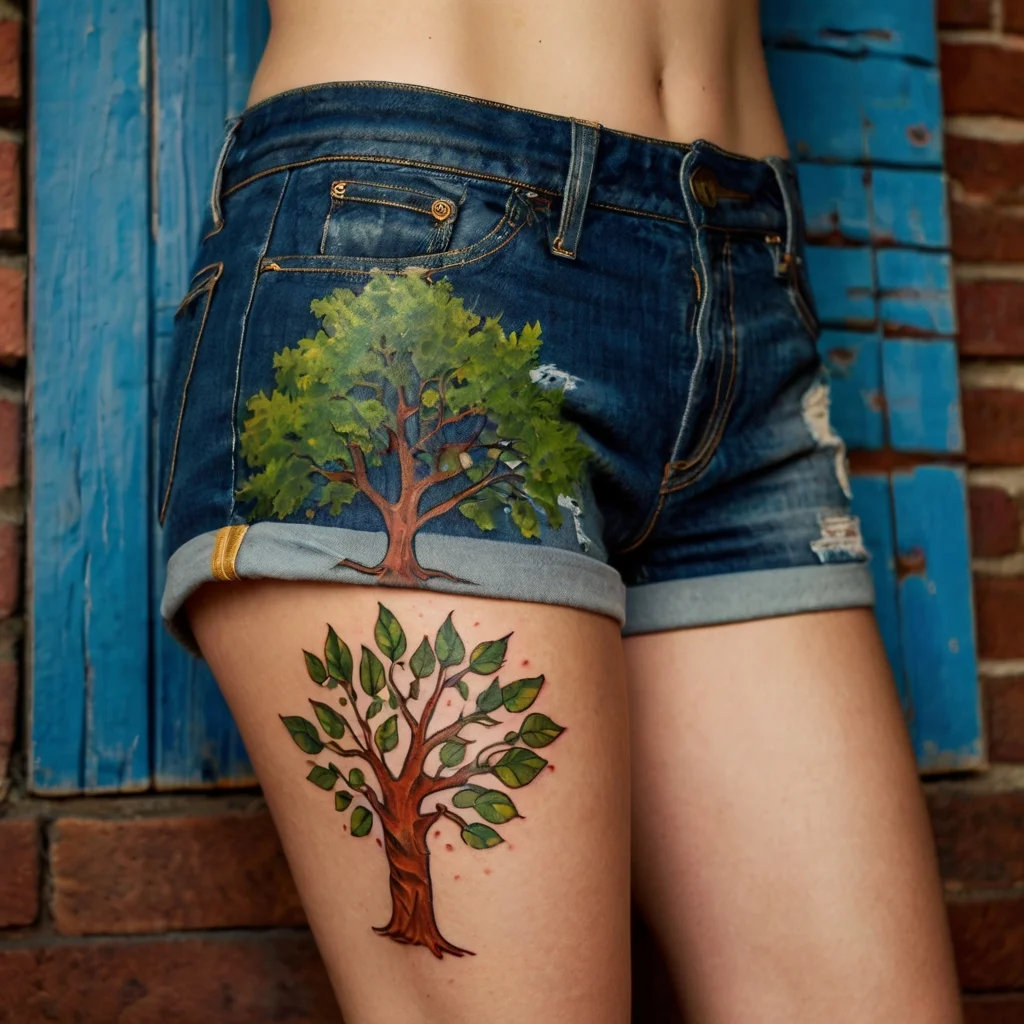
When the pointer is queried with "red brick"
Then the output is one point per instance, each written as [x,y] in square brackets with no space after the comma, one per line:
[994,426]
[991,317]
[988,937]
[9,679]
[964,13]
[984,232]
[1005,707]
[981,79]
[10,568]
[1003,1008]
[19,872]
[11,442]
[170,873]
[231,980]
[10,186]
[12,315]
[986,168]
[995,522]
[999,610]
[10,61]
[1013,18]
[979,836]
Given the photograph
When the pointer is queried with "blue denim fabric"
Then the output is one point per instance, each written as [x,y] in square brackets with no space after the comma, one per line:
[633,418]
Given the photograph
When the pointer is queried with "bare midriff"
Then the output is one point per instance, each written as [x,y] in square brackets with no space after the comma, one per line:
[671,69]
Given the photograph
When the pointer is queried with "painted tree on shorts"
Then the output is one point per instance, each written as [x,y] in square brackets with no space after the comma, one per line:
[403,374]
[410,775]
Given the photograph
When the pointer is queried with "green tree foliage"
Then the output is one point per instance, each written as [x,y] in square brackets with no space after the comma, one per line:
[403,370]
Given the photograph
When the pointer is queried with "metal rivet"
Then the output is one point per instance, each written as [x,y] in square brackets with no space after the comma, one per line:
[337,190]
[441,209]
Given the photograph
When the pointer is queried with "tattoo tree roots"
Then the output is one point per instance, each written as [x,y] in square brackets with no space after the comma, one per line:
[435,779]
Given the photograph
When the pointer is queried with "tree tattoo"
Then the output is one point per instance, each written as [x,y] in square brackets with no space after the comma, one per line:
[414,402]
[409,802]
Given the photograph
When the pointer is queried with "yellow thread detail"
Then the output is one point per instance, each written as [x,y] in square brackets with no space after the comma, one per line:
[225,551]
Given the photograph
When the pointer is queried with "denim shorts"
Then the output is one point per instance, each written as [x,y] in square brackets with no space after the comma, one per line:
[435,341]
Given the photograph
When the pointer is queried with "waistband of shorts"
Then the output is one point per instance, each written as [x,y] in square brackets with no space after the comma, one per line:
[417,125]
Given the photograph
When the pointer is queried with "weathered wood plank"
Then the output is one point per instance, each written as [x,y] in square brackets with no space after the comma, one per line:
[844,285]
[899,28]
[207,54]
[835,201]
[915,292]
[855,363]
[872,110]
[89,579]
[909,208]
[936,619]
[922,396]
[872,503]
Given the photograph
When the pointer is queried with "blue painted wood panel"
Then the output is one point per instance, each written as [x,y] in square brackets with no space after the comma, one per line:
[915,292]
[844,286]
[922,396]
[872,504]
[208,53]
[875,110]
[90,587]
[936,618]
[909,208]
[899,28]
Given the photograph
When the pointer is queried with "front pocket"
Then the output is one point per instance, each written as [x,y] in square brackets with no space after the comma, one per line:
[362,213]
[355,216]
[189,324]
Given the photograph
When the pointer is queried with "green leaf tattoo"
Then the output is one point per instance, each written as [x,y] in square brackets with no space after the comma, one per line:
[315,668]
[338,657]
[362,822]
[386,736]
[518,767]
[304,733]
[325,778]
[422,661]
[518,696]
[330,721]
[389,634]
[539,730]
[480,837]
[448,644]
[371,673]
[437,781]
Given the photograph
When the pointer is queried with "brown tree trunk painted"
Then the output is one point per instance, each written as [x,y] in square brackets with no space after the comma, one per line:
[412,899]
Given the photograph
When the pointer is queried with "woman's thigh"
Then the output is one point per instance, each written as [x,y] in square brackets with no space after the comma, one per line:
[782,850]
[450,777]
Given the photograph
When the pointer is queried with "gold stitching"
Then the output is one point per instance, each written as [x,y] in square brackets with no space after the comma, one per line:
[225,551]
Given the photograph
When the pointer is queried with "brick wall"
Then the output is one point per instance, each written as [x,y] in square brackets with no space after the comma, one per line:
[168,909]
[979,823]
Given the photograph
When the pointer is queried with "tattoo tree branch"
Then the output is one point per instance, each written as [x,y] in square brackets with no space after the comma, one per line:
[405,797]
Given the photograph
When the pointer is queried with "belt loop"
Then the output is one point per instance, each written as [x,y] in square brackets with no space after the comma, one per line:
[583,153]
[230,124]
[789,254]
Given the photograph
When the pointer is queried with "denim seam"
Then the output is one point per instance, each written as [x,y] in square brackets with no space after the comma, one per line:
[698,470]
[241,339]
[207,286]
[444,168]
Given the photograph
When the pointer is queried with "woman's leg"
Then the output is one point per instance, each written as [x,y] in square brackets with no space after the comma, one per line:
[782,850]
[396,912]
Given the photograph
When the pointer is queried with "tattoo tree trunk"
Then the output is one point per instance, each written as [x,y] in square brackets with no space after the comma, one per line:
[434,778]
